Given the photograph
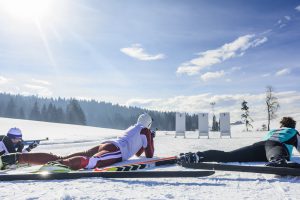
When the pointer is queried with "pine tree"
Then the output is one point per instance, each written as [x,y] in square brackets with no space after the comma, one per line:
[74,113]
[35,113]
[60,115]
[215,124]
[51,113]
[21,113]
[11,110]
[44,114]
[245,116]
[263,127]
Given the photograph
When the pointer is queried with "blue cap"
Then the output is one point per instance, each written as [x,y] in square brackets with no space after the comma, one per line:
[14,133]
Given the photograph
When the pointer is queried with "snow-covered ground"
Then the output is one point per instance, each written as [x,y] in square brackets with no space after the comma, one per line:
[65,139]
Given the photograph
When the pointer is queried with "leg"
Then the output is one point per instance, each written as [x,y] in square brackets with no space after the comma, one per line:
[253,153]
[30,158]
[276,151]
[37,158]
[88,153]
[108,154]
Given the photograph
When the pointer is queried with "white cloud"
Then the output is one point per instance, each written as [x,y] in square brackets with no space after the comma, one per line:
[289,102]
[298,8]
[42,82]
[235,69]
[212,75]
[282,25]
[266,75]
[225,52]
[259,41]
[37,90]
[4,80]
[288,18]
[136,51]
[283,72]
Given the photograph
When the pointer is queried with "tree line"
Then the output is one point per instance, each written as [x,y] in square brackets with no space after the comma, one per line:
[108,115]
[16,106]
[83,112]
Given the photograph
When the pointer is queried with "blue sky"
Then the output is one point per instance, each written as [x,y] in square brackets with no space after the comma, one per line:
[165,55]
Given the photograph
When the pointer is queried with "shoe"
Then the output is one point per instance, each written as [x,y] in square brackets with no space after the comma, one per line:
[190,157]
[54,167]
[277,162]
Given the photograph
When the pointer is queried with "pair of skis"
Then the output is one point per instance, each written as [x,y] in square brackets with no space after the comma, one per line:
[131,171]
[140,165]
[126,171]
[283,171]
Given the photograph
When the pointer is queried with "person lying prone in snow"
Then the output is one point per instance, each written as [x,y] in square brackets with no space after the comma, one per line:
[136,140]
[276,149]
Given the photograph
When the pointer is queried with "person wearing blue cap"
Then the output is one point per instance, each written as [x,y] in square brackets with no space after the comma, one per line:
[12,142]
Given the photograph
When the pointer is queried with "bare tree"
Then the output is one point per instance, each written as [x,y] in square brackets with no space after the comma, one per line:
[272,104]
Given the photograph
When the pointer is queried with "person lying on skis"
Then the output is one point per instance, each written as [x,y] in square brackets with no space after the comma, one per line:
[136,140]
[275,149]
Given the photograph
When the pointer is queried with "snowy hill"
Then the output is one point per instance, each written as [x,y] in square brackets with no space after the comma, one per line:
[65,139]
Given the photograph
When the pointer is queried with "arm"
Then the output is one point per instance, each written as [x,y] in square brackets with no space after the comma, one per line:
[149,149]
[19,146]
[295,141]
[298,142]
[139,153]
[9,145]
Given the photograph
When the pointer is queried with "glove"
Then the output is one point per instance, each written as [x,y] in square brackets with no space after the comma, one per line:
[32,146]
[153,133]
[19,146]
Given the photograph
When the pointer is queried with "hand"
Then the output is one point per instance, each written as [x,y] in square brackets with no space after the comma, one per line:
[19,146]
[153,133]
[32,146]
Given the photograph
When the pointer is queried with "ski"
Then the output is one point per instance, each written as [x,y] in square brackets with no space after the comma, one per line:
[140,165]
[88,174]
[284,171]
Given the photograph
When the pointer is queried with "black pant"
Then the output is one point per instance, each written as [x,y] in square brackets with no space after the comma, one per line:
[276,151]
[253,153]
[258,152]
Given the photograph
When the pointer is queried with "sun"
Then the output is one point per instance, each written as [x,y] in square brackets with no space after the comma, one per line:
[27,9]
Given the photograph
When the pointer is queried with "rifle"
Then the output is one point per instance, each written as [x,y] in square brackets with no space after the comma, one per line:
[28,142]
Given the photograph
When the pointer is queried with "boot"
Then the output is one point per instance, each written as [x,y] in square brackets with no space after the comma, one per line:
[277,162]
[190,157]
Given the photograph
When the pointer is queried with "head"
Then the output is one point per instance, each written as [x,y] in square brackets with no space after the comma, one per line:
[15,134]
[145,120]
[288,122]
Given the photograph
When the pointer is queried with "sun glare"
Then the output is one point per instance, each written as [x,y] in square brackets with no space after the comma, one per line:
[27,9]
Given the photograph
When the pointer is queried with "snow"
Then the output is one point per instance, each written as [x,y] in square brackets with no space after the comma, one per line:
[65,139]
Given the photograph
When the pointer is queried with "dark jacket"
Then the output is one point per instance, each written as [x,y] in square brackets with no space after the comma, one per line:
[7,146]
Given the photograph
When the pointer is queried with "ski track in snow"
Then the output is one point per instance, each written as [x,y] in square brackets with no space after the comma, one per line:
[65,139]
